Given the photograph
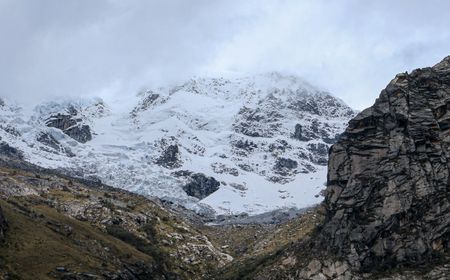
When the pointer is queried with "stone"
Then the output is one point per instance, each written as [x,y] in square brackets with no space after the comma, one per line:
[200,185]
[340,268]
[50,141]
[289,261]
[10,152]
[314,267]
[143,105]
[61,269]
[287,163]
[170,158]
[71,125]
[319,276]
[299,133]
[319,152]
[387,197]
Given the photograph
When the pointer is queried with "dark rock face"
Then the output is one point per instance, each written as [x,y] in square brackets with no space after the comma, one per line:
[48,140]
[243,147]
[51,142]
[320,152]
[326,105]
[388,195]
[145,103]
[71,126]
[314,131]
[170,157]
[298,133]
[258,122]
[201,186]
[11,130]
[3,226]
[10,152]
[221,168]
[284,167]
[285,163]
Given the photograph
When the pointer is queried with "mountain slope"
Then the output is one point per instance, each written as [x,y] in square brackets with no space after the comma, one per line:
[61,227]
[388,193]
[249,144]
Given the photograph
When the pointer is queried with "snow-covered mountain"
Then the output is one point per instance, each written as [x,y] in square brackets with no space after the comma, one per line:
[249,144]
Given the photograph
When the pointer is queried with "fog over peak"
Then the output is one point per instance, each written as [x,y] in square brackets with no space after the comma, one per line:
[112,48]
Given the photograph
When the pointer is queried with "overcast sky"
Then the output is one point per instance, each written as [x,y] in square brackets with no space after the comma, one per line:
[114,48]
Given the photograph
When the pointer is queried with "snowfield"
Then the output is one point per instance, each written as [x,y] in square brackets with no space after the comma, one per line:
[264,138]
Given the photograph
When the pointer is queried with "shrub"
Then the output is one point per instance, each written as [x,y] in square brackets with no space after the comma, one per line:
[140,244]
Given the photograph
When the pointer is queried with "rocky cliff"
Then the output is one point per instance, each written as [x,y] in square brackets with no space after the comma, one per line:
[71,125]
[388,195]
[386,213]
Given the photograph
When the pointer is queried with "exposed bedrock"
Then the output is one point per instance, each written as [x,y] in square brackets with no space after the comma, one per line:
[71,125]
[388,200]
[200,186]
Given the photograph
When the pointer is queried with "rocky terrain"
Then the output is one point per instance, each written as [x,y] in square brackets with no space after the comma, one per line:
[60,227]
[386,213]
[388,193]
[387,206]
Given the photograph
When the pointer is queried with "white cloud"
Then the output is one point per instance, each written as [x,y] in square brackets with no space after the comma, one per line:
[110,47]
[352,48]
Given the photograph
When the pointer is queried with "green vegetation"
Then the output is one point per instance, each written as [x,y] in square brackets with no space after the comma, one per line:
[67,228]
[151,249]
[34,247]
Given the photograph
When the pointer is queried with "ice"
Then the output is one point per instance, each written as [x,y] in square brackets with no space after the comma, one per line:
[204,118]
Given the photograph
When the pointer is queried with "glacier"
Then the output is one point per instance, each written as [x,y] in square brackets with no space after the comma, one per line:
[265,138]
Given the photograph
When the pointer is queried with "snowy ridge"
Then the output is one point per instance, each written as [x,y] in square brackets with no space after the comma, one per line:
[265,138]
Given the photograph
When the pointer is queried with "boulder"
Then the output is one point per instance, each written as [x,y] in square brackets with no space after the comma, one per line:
[200,186]
[10,152]
[285,163]
[71,125]
[170,157]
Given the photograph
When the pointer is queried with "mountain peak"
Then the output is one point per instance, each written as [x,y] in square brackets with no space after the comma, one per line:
[245,144]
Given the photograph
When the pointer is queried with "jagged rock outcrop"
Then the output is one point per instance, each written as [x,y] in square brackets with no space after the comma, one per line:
[388,195]
[9,152]
[298,133]
[321,152]
[50,141]
[71,125]
[148,100]
[3,226]
[200,186]
[285,165]
[170,157]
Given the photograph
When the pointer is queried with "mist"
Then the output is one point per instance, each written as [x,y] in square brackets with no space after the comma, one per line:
[111,48]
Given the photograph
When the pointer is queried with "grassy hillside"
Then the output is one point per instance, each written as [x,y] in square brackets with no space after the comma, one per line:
[62,227]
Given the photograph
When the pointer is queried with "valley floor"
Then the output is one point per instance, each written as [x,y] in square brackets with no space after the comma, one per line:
[60,227]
